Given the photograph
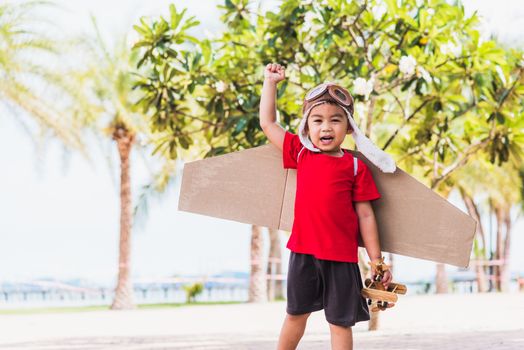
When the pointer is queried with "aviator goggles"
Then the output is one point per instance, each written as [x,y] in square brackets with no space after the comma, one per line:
[338,93]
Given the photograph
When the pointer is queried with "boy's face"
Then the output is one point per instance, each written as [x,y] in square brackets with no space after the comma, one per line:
[327,126]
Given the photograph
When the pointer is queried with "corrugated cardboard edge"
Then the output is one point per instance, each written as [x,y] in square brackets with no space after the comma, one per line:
[288,205]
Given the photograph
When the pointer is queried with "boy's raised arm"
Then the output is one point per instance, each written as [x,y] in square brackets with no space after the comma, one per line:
[273,73]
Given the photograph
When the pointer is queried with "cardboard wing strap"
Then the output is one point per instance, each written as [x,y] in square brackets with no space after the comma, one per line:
[252,187]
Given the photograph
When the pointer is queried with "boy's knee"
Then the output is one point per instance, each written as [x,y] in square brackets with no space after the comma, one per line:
[301,317]
[339,327]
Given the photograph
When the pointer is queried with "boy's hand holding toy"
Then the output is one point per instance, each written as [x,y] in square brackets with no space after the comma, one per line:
[381,270]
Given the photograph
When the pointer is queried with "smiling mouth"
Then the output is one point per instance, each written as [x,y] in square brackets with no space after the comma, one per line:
[326,139]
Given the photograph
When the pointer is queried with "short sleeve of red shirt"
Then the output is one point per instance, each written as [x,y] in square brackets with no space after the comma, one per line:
[364,188]
[290,150]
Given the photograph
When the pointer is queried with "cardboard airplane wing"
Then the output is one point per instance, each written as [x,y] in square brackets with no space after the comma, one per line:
[252,187]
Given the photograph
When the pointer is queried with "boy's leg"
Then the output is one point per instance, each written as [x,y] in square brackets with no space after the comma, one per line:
[304,295]
[341,337]
[344,305]
[292,331]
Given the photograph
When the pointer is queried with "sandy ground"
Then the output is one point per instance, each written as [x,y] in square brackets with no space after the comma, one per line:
[478,321]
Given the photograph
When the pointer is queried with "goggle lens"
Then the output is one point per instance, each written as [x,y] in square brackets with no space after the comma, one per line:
[337,93]
[316,92]
[341,95]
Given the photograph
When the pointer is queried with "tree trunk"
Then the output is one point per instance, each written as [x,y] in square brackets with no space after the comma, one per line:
[473,212]
[480,273]
[369,119]
[391,263]
[257,282]
[124,290]
[365,272]
[442,279]
[499,254]
[374,320]
[274,267]
[504,273]
[480,255]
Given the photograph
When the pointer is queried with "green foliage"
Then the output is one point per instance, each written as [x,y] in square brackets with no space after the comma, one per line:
[441,95]
[171,61]
[192,291]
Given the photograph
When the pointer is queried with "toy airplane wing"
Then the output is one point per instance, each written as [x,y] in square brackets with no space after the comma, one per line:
[252,187]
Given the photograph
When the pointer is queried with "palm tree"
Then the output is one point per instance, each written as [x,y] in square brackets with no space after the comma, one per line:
[107,105]
[98,96]
[257,284]
[479,245]
[501,187]
[274,266]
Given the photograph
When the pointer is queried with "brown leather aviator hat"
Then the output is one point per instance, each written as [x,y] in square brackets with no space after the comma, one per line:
[330,92]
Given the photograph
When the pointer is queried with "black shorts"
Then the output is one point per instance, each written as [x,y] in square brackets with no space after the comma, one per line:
[334,286]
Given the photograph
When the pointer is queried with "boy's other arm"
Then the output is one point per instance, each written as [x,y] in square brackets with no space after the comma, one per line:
[268,113]
[369,233]
[368,229]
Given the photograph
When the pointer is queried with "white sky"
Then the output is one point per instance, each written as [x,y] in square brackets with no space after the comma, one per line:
[60,219]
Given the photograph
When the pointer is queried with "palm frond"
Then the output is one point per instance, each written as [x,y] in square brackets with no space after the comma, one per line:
[160,185]
[44,114]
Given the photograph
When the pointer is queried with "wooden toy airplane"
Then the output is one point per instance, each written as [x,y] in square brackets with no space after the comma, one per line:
[251,186]
[380,298]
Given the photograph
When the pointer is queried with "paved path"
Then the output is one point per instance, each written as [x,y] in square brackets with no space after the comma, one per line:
[445,322]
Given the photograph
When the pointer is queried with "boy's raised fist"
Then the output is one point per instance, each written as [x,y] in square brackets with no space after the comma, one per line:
[274,72]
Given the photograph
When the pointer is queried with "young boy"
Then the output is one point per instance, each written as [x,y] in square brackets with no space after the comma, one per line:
[332,205]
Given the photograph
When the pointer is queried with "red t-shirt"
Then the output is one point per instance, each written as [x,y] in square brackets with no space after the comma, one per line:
[325,223]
